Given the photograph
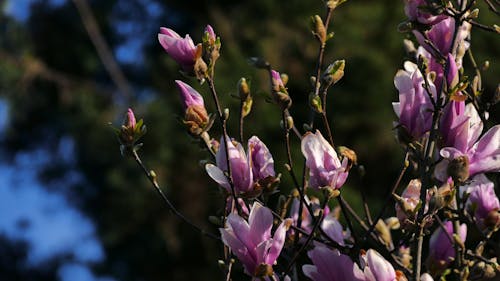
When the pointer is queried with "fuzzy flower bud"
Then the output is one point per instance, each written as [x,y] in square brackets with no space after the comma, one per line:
[130,131]
[280,94]
[334,72]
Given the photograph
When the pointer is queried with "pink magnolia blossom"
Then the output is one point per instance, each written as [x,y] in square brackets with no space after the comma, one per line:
[441,248]
[306,218]
[410,199]
[211,33]
[260,158]
[414,108]
[483,200]
[130,121]
[189,96]
[325,168]
[182,50]
[276,80]
[252,241]
[483,155]
[376,268]
[441,36]
[414,12]
[245,171]
[334,230]
[331,265]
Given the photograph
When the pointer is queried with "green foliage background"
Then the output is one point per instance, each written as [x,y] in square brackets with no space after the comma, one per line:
[56,87]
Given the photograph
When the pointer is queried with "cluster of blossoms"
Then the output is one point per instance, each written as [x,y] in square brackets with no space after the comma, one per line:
[440,125]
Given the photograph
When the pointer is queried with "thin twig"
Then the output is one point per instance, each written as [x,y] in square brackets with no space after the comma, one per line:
[389,196]
[223,120]
[169,204]
[103,50]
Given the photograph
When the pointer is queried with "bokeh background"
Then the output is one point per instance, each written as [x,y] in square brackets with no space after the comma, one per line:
[71,208]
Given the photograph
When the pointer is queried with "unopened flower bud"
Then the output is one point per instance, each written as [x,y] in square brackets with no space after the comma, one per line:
[318,29]
[130,131]
[334,72]
[243,89]
[289,122]
[315,103]
[211,46]
[333,4]
[474,14]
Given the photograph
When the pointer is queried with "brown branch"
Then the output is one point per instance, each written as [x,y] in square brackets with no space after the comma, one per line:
[103,49]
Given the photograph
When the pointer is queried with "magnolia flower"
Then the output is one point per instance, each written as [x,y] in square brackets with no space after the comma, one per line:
[331,265]
[252,241]
[409,200]
[414,12]
[211,33]
[245,171]
[195,114]
[414,108]
[189,96]
[376,268]
[182,50]
[306,218]
[483,201]
[334,230]
[325,168]
[130,120]
[441,245]
[441,35]
[261,160]
[481,155]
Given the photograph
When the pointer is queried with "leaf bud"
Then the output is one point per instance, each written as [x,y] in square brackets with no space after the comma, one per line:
[334,72]
[318,29]
[289,122]
[243,89]
[315,103]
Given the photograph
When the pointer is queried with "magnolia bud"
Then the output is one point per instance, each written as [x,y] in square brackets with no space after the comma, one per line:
[243,89]
[318,29]
[334,72]
[315,103]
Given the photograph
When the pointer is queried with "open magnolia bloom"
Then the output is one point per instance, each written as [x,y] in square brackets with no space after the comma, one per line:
[252,241]
[441,247]
[482,201]
[331,265]
[250,173]
[325,168]
[480,154]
